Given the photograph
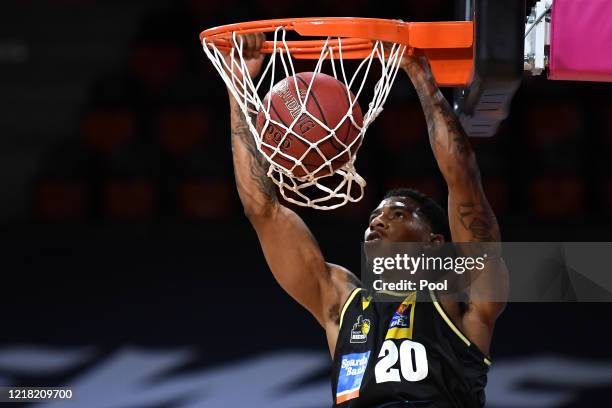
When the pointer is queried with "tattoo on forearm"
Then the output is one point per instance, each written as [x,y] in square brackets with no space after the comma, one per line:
[439,115]
[461,143]
[480,221]
[454,153]
[258,164]
[454,129]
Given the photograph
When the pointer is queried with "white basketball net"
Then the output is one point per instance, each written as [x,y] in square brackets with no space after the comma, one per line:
[335,187]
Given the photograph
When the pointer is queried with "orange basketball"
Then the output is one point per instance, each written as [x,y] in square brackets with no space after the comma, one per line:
[328,101]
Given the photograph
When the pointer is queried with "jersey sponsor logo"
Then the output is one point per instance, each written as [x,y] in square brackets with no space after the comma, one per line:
[400,326]
[401,317]
[359,333]
[352,369]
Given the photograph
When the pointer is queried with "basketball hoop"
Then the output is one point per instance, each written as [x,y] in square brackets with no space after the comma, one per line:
[346,38]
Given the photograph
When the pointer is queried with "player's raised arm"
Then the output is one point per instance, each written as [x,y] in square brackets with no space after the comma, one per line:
[291,251]
[470,216]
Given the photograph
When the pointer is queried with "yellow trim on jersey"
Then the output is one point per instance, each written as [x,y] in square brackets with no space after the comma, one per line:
[399,333]
[365,302]
[448,321]
[347,303]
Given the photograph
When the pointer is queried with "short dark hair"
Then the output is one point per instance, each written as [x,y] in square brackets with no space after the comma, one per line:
[432,211]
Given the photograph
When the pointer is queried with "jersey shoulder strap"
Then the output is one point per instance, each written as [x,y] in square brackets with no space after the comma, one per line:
[352,296]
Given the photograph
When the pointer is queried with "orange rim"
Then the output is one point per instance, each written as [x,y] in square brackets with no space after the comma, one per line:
[448,45]
[351,46]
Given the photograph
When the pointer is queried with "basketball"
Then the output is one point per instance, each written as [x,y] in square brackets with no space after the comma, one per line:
[328,101]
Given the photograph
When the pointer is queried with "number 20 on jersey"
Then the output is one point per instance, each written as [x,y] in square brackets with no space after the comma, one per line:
[412,358]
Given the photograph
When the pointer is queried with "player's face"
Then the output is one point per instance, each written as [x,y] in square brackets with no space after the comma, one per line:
[396,219]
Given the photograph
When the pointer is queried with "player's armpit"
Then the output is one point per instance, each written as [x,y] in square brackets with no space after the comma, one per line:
[478,321]
[488,291]
[343,282]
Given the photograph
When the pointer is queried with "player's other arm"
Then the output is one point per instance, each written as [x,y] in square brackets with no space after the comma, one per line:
[471,218]
[291,251]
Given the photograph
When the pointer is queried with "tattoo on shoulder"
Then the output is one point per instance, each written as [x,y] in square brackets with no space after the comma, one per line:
[479,220]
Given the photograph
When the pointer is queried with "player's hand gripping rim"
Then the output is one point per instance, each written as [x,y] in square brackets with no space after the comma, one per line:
[251,46]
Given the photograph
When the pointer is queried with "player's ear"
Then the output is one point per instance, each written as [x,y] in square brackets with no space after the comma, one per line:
[436,239]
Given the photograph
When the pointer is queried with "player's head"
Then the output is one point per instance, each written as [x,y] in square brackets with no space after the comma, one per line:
[407,215]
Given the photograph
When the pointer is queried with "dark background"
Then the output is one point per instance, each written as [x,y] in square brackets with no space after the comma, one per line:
[119,220]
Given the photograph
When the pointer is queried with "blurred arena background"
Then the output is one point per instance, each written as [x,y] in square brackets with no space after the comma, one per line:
[129,271]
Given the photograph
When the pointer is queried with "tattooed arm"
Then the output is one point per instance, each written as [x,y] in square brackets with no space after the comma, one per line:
[470,216]
[292,253]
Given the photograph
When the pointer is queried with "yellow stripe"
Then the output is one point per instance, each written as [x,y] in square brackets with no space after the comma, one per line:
[348,302]
[447,320]
[365,302]
[399,333]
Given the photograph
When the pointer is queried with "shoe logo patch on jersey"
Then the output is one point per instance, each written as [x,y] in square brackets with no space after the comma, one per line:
[359,333]
[400,326]
[352,369]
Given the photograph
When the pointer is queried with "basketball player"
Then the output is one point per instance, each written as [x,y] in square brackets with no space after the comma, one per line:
[440,357]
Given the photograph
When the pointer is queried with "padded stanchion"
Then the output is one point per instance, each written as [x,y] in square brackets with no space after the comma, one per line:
[581,40]
[499,28]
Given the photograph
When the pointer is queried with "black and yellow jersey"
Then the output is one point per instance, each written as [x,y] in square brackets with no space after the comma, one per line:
[405,353]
